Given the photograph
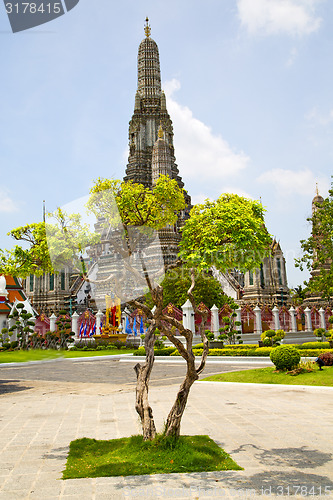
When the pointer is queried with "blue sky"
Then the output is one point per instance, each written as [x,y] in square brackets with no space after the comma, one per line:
[249,90]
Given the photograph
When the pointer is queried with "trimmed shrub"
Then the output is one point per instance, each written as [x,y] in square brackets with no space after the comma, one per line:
[209,335]
[285,357]
[313,352]
[262,351]
[314,345]
[165,351]
[319,332]
[327,357]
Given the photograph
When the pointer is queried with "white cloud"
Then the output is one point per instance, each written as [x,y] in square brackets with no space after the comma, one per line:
[7,205]
[288,182]
[200,153]
[271,17]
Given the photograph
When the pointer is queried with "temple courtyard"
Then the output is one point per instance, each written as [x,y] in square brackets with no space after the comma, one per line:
[281,435]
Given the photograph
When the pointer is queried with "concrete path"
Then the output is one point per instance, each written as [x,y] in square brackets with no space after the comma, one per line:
[282,436]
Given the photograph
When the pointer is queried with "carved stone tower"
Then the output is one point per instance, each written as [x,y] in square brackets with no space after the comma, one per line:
[150,113]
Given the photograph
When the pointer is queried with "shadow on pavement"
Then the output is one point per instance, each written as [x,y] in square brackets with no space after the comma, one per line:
[299,458]
[8,386]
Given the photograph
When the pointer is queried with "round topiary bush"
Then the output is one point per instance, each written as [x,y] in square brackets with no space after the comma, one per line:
[285,357]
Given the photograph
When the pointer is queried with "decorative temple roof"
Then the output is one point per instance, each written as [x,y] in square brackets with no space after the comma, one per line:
[15,293]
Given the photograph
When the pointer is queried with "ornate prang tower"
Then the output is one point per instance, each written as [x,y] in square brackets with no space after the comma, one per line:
[151,151]
[150,113]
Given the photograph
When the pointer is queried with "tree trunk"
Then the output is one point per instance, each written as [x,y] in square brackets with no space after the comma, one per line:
[172,426]
[143,376]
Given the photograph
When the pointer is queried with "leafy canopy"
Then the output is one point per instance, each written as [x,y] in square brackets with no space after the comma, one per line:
[135,205]
[49,247]
[177,282]
[226,233]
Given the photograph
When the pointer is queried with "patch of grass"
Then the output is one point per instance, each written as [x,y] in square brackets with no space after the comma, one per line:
[24,356]
[42,354]
[133,456]
[269,376]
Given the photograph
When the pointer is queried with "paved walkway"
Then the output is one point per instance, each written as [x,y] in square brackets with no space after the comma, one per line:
[282,436]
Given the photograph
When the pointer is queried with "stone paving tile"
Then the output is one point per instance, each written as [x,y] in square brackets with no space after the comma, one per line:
[269,431]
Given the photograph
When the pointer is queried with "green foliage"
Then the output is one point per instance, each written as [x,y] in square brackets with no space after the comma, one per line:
[132,204]
[177,282]
[226,233]
[229,332]
[23,327]
[314,345]
[319,332]
[24,261]
[209,335]
[285,357]
[272,337]
[271,376]
[318,249]
[165,351]
[50,247]
[298,295]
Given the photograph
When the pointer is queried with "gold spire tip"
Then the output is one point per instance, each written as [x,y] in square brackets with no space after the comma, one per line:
[317,190]
[147,28]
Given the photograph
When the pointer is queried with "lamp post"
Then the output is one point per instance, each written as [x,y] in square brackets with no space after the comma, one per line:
[281,292]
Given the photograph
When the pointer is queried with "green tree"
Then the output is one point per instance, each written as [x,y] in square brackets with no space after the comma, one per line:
[227,233]
[229,332]
[177,282]
[298,295]
[23,326]
[48,247]
[318,249]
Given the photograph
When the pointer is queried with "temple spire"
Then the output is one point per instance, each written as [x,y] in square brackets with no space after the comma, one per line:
[149,73]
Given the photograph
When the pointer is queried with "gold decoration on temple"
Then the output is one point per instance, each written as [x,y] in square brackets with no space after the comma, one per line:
[160,132]
[317,190]
[113,316]
[147,28]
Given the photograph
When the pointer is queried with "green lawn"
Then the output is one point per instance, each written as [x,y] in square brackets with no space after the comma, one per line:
[133,456]
[268,376]
[37,355]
